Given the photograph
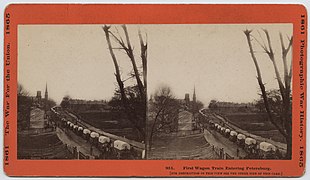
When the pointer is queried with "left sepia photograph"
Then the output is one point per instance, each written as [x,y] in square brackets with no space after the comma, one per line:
[81,92]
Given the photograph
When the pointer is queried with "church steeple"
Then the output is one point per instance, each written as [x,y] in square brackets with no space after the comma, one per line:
[46,93]
[194,95]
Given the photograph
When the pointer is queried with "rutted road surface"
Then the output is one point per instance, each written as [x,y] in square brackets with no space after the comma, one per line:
[69,138]
[218,140]
[185,121]
[37,119]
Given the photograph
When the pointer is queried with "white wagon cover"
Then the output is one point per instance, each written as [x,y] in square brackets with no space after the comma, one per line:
[216,124]
[233,133]
[121,145]
[75,126]
[241,136]
[71,124]
[267,147]
[103,139]
[86,131]
[222,128]
[80,128]
[227,130]
[94,135]
[250,141]
[68,122]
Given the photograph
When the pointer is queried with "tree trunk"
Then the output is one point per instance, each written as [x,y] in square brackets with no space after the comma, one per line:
[133,62]
[286,128]
[289,144]
[132,118]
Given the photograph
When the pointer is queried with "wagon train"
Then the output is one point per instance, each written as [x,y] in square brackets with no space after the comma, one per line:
[118,149]
[262,150]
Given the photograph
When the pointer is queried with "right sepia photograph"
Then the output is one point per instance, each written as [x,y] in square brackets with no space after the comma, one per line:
[219,91]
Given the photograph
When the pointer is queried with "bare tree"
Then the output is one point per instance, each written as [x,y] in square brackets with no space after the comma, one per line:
[163,113]
[132,114]
[21,90]
[283,121]
[23,108]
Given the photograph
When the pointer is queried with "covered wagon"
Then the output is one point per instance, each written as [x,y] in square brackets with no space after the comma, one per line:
[94,138]
[71,126]
[104,143]
[240,139]
[122,149]
[216,125]
[103,139]
[227,132]
[250,145]
[68,124]
[233,136]
[80,130]
[218,128]
[267,150]
[86,134]
[121,145]
[75,128]
[223,130]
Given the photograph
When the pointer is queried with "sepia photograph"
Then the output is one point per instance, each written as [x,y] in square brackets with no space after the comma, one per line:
[81,92]
[155,90]
[220,91]
[211,91]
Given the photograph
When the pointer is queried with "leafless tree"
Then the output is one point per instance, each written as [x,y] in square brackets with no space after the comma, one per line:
[23,107]
[163,113]
[283,122]
[138,123]
[21,91]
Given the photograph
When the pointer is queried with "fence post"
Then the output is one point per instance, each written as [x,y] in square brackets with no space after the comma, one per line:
[78,154]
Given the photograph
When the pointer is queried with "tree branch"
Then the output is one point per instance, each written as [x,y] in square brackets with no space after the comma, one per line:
[128,110]
[261,84]
[133,62]
[144,59]
[272,58]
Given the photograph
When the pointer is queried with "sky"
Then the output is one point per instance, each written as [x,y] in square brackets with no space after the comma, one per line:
[74,60]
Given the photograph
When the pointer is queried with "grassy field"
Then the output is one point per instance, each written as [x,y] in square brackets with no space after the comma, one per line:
[41,146]
[107,120]
[256,123]
[111,122]
[37,141]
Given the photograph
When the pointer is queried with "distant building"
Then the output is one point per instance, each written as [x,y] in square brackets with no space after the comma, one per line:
[80,105]
[38,101]
[25,105]
[187,103]
[187,100]
[39,96]
[232,107]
